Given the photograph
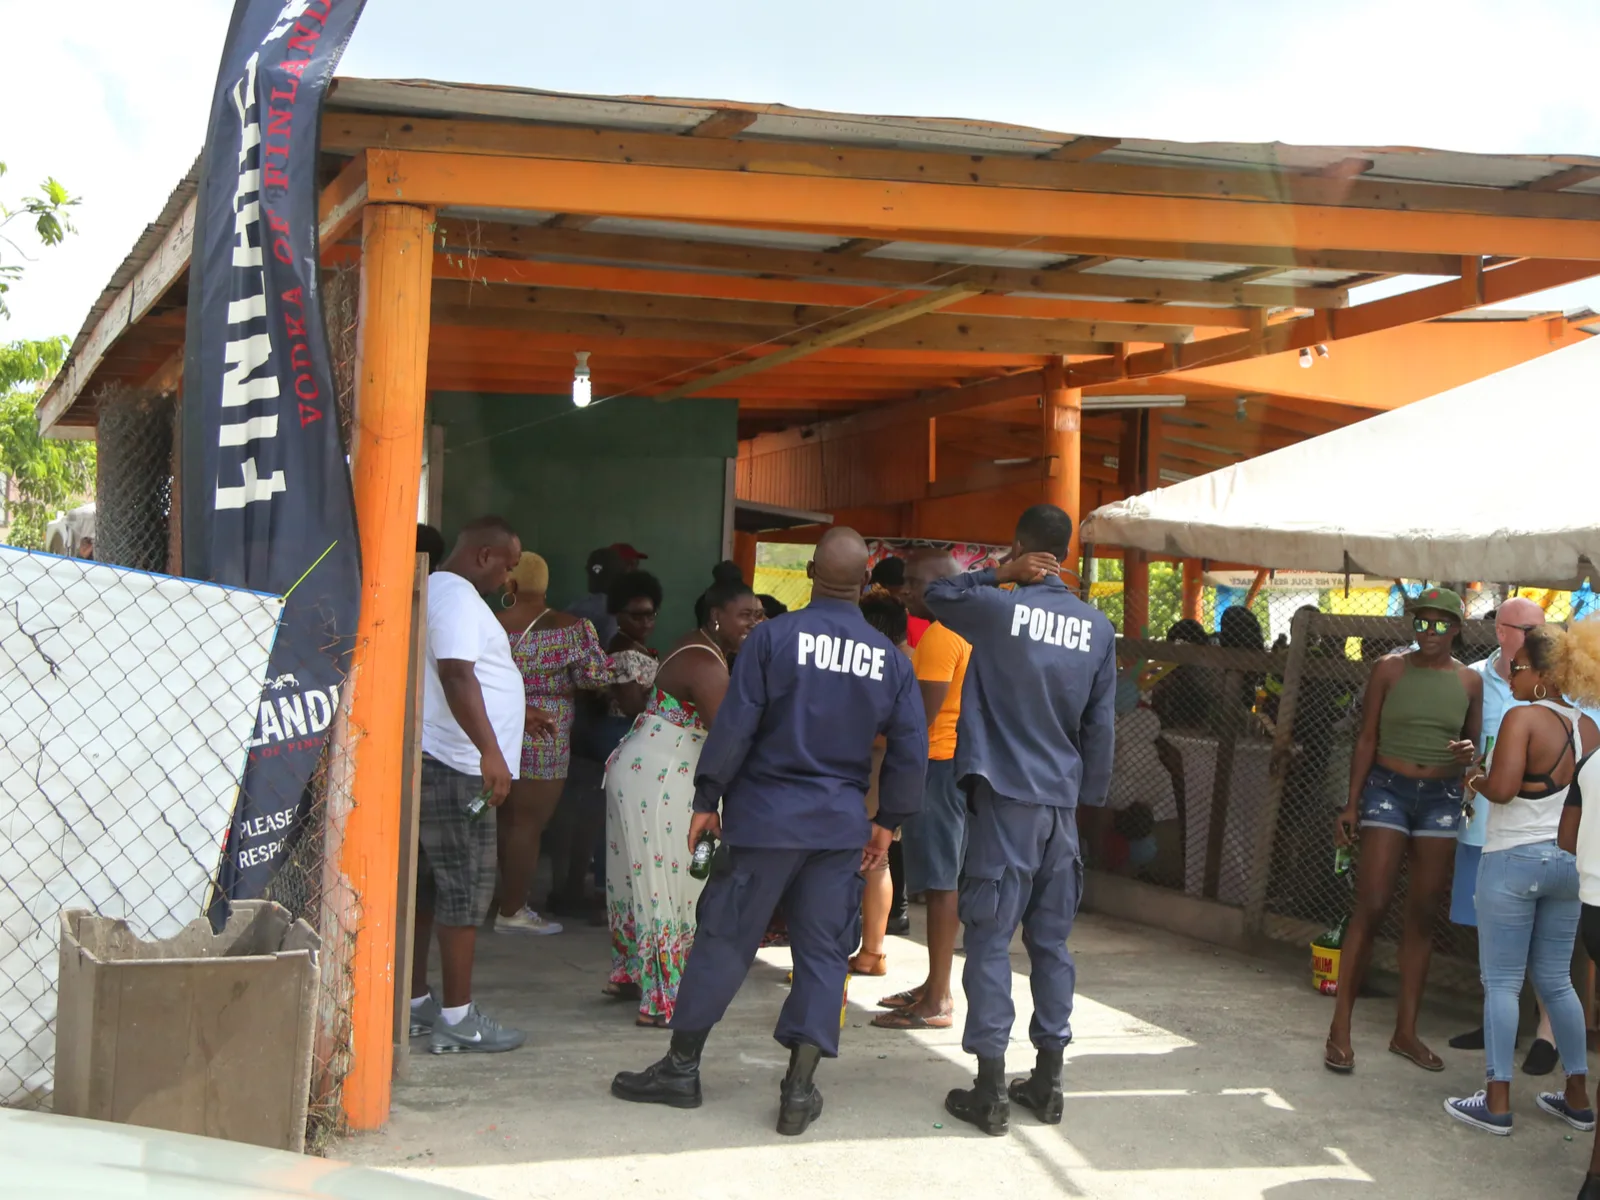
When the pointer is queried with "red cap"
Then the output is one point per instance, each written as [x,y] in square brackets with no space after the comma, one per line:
[628,552]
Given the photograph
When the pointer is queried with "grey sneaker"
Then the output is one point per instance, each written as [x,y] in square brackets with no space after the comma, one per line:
[424,1016]
[475,1034]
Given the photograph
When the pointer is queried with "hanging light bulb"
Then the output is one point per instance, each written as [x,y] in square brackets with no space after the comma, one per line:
[1322,351]
[1305,357]
[581,390]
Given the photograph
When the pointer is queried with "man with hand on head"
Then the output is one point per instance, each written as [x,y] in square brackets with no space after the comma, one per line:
[1034,741]
[789,759]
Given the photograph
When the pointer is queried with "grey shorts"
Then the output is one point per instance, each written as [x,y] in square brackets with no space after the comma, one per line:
[934,842]
[455,860]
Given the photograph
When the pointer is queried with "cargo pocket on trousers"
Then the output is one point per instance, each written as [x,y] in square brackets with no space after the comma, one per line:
[850,925]
[978,901]
[717,913]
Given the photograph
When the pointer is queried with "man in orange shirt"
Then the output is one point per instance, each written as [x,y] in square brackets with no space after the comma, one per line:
[934,841]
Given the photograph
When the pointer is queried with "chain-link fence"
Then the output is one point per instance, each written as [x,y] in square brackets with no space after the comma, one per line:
[1237,721]
[133,486]
[128,702]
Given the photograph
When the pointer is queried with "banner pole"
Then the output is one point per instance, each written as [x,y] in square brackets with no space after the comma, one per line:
[386,466]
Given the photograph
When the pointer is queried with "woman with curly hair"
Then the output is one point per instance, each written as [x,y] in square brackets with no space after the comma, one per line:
[1527,895]
[1578,667]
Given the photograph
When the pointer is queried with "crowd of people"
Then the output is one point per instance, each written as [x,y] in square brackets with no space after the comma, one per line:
[911,728]
[941,703]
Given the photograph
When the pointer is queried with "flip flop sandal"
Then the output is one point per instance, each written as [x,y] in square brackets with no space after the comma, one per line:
[648,1022]
[903,1018]
[900,1000]
[1432,1063]
[622,991]
[1337,1060]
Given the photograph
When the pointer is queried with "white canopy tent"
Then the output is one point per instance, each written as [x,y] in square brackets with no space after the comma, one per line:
[1493,481]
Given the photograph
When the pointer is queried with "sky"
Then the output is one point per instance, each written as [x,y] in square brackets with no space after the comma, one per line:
[109,96]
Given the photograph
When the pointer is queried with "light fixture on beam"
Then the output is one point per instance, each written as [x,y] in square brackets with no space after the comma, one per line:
[1132,400]
[582,391]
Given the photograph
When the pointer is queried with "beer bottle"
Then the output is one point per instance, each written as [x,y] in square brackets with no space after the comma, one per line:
[700,861]
[479,805]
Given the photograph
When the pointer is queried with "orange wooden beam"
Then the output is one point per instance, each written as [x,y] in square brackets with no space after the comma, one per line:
[386,463]
[652,282]
[900,209]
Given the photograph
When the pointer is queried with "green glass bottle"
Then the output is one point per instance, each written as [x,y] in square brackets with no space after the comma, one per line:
[700,861]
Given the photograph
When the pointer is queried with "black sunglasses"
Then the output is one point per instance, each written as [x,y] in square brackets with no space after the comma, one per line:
[1439,625]
[1523,629]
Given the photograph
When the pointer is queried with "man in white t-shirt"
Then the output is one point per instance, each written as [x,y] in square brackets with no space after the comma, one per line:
[473,711]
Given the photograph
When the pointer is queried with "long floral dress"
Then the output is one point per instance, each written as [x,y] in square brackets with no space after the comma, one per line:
[651,896]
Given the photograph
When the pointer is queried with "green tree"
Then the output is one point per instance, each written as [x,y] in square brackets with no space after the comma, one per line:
[50,212]
[47,475]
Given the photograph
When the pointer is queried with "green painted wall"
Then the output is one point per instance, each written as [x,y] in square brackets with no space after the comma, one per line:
[569,480]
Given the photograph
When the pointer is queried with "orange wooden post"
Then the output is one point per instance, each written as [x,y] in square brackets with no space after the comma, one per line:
[386,467]
[1194,587]
[1063,440]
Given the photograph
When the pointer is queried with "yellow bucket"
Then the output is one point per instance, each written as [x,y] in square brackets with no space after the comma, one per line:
[844,1003]
[1325,969]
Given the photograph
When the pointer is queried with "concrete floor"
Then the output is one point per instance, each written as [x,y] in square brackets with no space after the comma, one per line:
[1194,1072]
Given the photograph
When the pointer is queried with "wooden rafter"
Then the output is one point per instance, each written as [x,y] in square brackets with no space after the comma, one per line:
[850,331]
[353,133]
[1082,149]
[1010,330]
[725,123]
[1564,179]
[656,281]
[722,256]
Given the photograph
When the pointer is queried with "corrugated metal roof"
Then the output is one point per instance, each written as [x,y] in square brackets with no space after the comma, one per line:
[779,122]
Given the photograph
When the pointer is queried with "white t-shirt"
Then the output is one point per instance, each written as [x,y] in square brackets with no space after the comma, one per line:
[460,626]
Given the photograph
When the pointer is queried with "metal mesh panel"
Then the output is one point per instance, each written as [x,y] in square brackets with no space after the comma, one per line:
[133,500]
[1234,743]
[126,707]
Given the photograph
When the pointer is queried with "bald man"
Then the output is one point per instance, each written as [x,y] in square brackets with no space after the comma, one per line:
[788,761]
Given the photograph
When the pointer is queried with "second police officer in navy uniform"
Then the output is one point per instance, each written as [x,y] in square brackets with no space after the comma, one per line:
[1033,743]
[789,759]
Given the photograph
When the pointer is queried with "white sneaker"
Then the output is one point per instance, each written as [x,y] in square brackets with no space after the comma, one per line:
[526,921]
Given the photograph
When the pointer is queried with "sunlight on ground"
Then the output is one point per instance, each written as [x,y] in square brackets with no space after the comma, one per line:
[1034,1160]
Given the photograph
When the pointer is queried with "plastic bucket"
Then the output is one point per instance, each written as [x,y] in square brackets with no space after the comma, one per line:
[1325,969]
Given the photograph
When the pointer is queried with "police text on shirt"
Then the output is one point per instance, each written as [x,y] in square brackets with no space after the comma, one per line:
[846,655]
[1043,625]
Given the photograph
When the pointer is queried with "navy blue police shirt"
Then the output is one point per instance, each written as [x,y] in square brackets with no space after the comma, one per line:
[790,752]
[1038,706]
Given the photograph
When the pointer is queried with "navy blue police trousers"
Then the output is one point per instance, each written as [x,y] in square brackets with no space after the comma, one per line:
[1022,868]
[820,891]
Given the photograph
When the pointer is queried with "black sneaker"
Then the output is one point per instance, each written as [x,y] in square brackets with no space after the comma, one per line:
[1542,1058]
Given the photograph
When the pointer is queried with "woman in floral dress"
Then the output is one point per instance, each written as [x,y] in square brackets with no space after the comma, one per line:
[556,654]
[649,793]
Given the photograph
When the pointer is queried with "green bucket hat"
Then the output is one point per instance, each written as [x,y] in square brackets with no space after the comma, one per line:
[1439,599]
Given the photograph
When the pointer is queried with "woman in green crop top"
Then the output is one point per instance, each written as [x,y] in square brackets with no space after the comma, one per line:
[1420,721]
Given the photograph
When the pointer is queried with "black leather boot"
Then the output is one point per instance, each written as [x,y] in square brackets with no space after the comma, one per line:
[899,915]
[985,1104]
[1591,1188]
[1041,1091]
[674,1081]
[799,1101]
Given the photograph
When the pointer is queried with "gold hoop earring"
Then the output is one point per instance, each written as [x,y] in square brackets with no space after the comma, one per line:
[1540,692]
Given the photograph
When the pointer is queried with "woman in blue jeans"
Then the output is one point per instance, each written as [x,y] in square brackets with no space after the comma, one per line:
[1527,893]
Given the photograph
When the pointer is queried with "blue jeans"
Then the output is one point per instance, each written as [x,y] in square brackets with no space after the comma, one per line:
[1527,901]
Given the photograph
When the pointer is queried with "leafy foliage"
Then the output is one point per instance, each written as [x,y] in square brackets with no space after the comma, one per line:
[50,212]
[48,475]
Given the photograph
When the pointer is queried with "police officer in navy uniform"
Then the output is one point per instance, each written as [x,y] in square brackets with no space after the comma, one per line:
[1034,741]
[788,759]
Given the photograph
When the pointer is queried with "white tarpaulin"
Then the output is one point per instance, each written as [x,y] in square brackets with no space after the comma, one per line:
[127,705]
[1490,481]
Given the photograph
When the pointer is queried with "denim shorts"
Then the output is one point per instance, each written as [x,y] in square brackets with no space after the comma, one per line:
[1423,808]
